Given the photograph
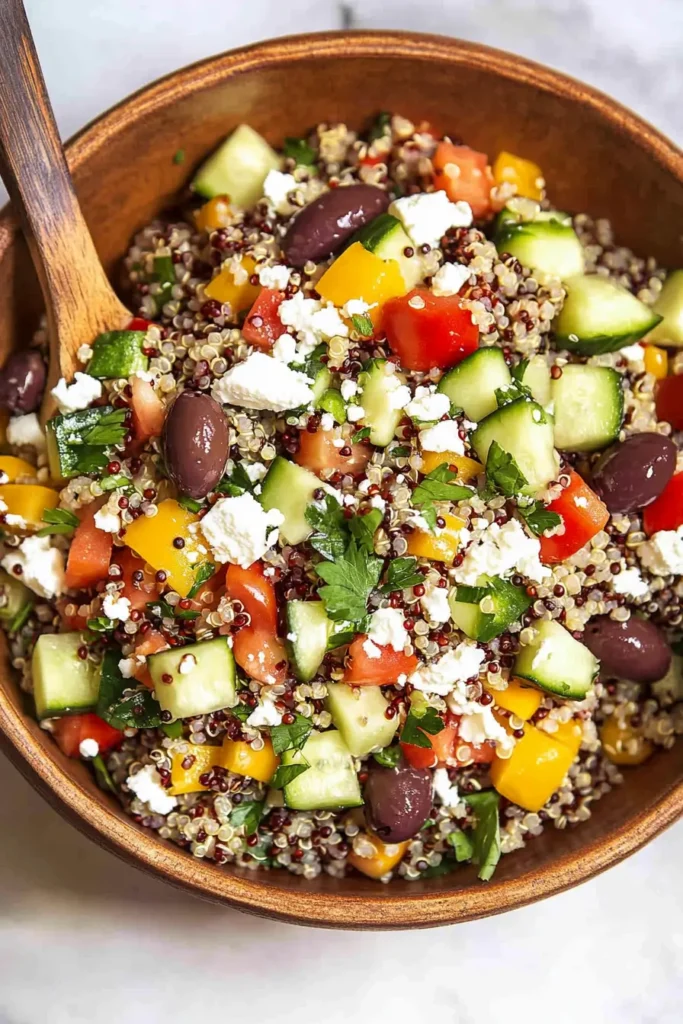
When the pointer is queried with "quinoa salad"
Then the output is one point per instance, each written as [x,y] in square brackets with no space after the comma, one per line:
[360,548]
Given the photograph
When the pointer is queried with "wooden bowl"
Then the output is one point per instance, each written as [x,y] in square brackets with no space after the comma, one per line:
[597,157]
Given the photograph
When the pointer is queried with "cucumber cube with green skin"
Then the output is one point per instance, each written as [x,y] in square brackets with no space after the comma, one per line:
[308,630]
[238,168]
[194,680]
[547,246]
[63,683]
[13,597]
[600,316]
[67,457]
[290,488]
[508,604]
[359,714]
[385,237]
[472,384]
[330,782]
[536,378]
[589,407]
[669,306]
[524,431]
[381,415]
[117,354]
[321,385]
[557,662]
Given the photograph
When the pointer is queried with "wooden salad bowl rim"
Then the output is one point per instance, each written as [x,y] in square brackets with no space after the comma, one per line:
[67,785]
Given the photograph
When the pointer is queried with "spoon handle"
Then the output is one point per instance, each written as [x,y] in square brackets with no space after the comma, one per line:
[79,299]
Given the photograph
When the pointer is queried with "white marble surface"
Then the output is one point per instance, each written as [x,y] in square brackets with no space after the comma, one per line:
[80,931]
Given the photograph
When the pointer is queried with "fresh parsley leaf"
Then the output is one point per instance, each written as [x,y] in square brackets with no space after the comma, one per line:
[202,573]
[509,603]
[539,518]
[111,429]
[101,624]
[363,324]
[237,483]
[416,726]
[248,814]
[427,824]
[112,686]
[389,757]
[361,435]
[117,480]
[402,573]
[20,618]
[174,730]
[104,779]
[286,773]
[349,581]
[341,639]
[446,866]
[241,712]
[59,520]
[139,709]
[179,156]
[261,852]
[363,529]
[519,370]
[331,534]
[438,486]
[486,834]
[380,126]
[291,737]
[502,472]
[164,610]
[511,392]
[300,151]
[428,513]
[190,504]
[401,451]
[462,844]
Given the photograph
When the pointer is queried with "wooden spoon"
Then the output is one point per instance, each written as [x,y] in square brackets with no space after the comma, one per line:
[79,300]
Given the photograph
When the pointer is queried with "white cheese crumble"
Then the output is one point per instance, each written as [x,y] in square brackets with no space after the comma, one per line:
[88,748]
[630,583]
[348,389]
[376,501]
[274,277]
[355,413]
[261,382]
[428,215]
[265,714]
[108,518]
[434,603]
[328,323]
[397,393]
[446,791]
[284,348]
[115,607]
[84,353]
[478,724]
[356,307]
[371,649]
[42,566]
[187,664]
[239,530]
[79,395]
[442,437]
[127,666]
[449,279]
[277,187]
[327,422]
[387,628]
[255,471]
[500,550]
[662,554]
[634,356]
[427,405]
[441,675]
[146,785]
[26,430]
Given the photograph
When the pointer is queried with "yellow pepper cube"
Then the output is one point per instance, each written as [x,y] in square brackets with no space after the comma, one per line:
[241,758]
[385,857]
[441,546]
[238,292]
[13,469]
[152,539]
[570,733]
[217,213]
[520,699]
[29,502]
[186,780]
[359,274]
[656,361]
[468,469]
[534,770]
[524,174]
[622,743]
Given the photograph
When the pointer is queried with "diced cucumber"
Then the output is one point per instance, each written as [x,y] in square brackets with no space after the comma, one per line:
[67,455]
[588,407]
[330,782]
[290,488]
[359,714]
[321,384]
[505,602]
[238,168]
[600,316]
[519,210]
[331,401]
[546,246]
[557,662]
[300,151]
[308,630]
[163,279]
[669,306]
[525,432]
[378,388]
[471,385]
[117,354]
[386,238]
[536,378]
[14,596]
[194,680]
[63,683]
[670,686]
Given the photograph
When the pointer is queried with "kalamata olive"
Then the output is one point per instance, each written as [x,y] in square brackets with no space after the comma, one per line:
[22,381]
[634,650]
[195,443]
[398,800]
[324,225]
[632,474]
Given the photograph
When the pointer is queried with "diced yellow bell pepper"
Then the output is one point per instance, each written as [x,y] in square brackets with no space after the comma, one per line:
[570,733]
[29,501]
[524,174]
[622,743]
[359,274]
[186,780]
[520,699]
[13,469]
[224,288]
[152,539]
[534,770]
[386,857]
[656,361]
[241,758]
[441,546]
[468,469]
[214,214]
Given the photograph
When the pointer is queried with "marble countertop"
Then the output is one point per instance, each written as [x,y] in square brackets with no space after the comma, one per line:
[79,930]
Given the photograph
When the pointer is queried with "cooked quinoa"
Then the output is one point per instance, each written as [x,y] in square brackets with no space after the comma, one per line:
[191,341]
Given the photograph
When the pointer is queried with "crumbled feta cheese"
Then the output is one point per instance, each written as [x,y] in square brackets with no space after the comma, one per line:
[84,354]
[274,277]
[500,550]
[662,554]
[79,395]
[297,313]
[387,628]
[127,666]
[115,607]
[277,187]
[478,726]
[442,437]
[348,389]
[446,791]
[327,421]
[26,430]
[434,603]
[356,307]
[441,675]
[284,348]
[88,748]
[261,382]
[428,216]
[376,501]
[108,518]
[397,393]
[265,714]
[634,356]
[449,279]
[187,664]
[371,649]
[146,785]
[328,323]
[630,583]
[543,654]
[355,413]
[255,471]
[239,530]
[42,566]
[427,405]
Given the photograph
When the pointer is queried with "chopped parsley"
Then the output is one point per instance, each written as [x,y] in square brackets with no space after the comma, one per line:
[111,429]
[363,324]
[299,151]
[331,534]
[462,845]
[202,573]
[402,573]
[59,520]
[486,849]
[286,773]
[389,757]
[416,725]
[291,737]
[539,518]
[349,581]
[248,815]
[363,529]
[360,435]
[503,475]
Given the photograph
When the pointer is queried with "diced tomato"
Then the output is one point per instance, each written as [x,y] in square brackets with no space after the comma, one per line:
[71,730]
[583,515]
[464,174]
[263,326]
[426,330]
[666,512]
[362,670]
[318,452]
[90,551]
[669,400]
[262,656]
[139,324]
[148,410]
[257,594]
[137,592]
[151,643]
